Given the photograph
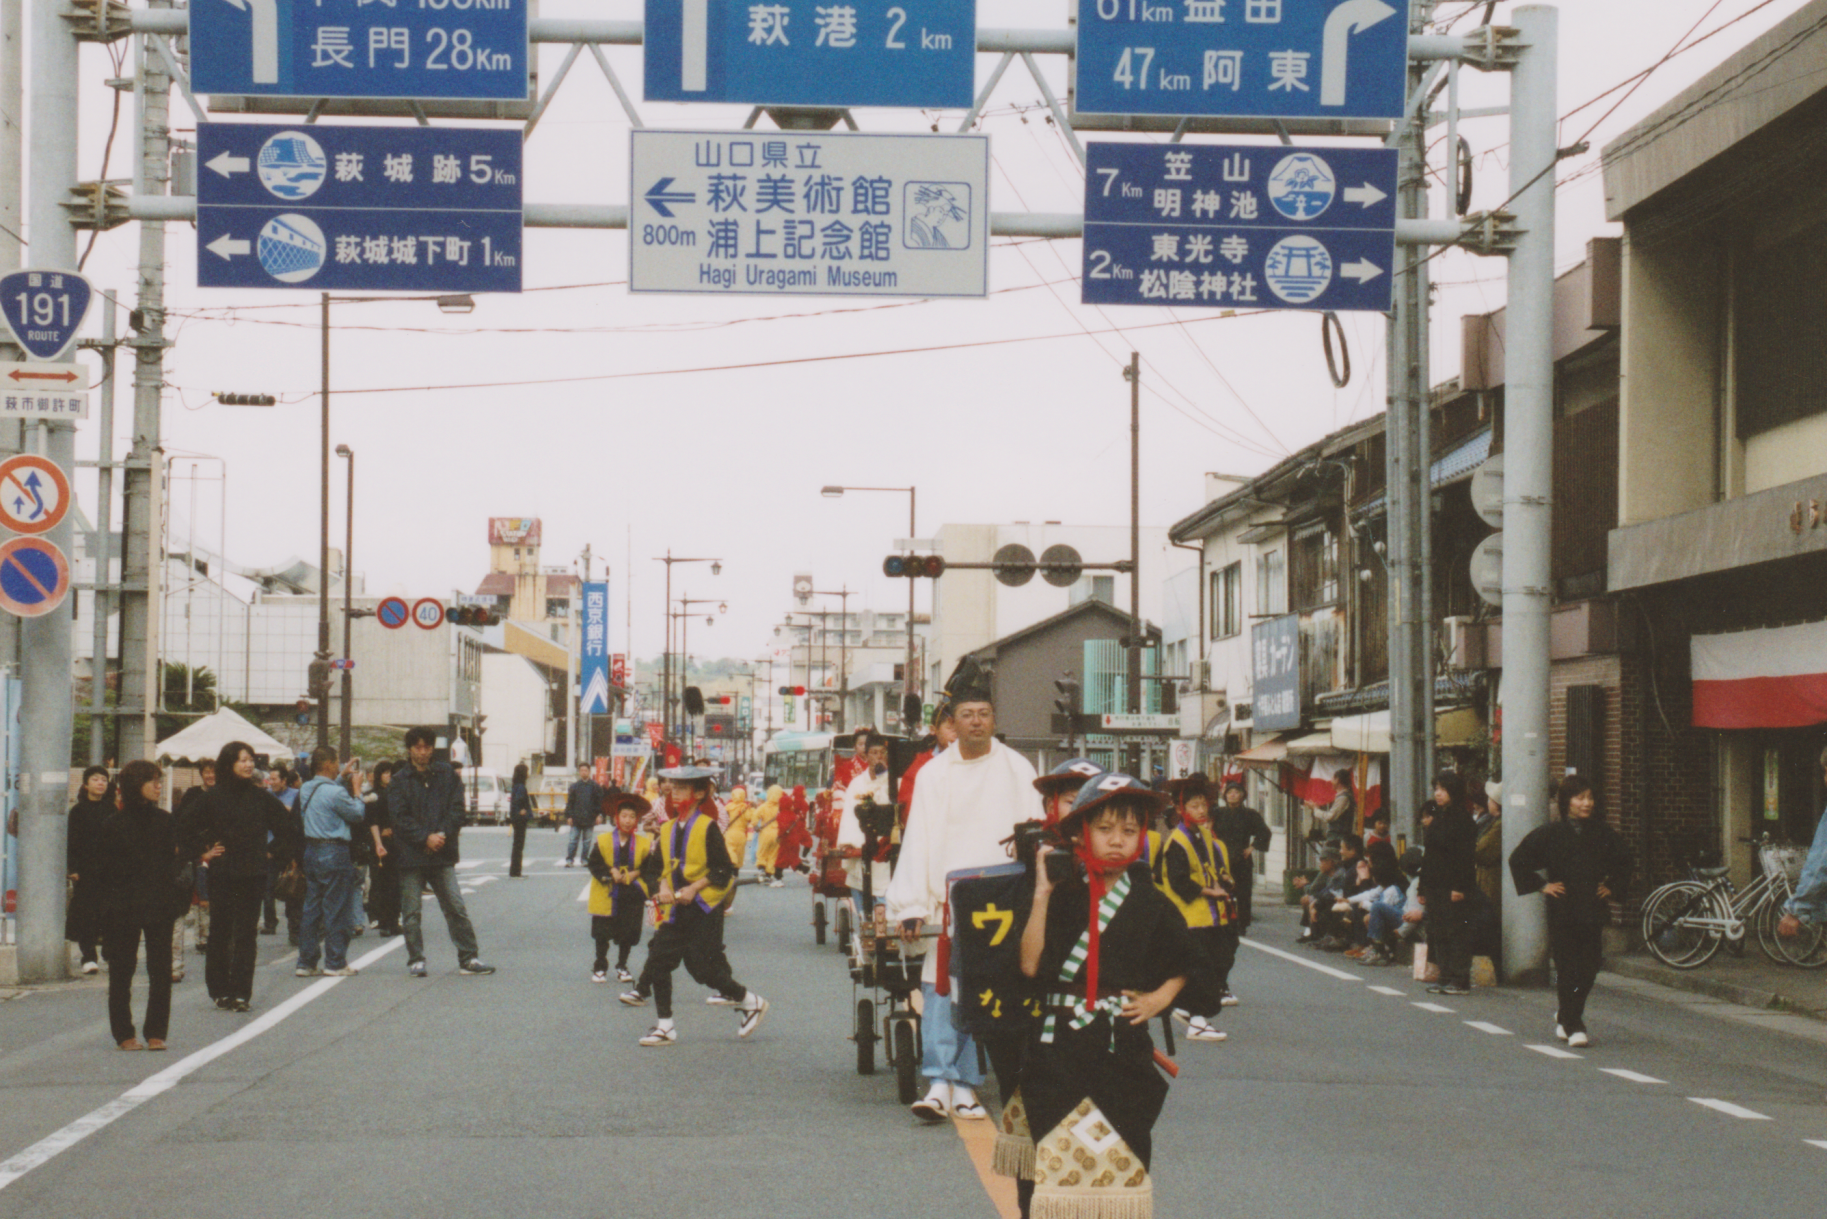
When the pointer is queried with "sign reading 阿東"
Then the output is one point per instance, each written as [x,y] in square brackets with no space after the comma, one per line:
[1242,227]
[810,213]
[451,49]
[1275,673]
[43,308]
[593,672]
[810,53]
[1242,58]
[387,209]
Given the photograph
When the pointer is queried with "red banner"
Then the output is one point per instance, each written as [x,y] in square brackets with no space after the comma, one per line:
[656,733]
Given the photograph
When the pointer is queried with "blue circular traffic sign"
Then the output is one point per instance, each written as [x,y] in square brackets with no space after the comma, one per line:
[393,613]
[34,577]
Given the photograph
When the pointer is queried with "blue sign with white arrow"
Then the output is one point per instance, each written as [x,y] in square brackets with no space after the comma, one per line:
[1242,58]
[919,53]
[593,664]
[451,49]
[390,209]
[1239,226]
[43,308]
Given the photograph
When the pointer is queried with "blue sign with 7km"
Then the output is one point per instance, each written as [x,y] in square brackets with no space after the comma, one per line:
[1242,58]
[387,209]
[811,52]
[1239,226]
[452,49]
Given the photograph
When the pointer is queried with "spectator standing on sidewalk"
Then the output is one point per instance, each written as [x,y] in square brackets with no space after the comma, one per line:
[520,814]
[583,809]
[1245,835]
[1809,904]
[82,924]
[1448,881]
[138,865]
[425,803]
[330,811]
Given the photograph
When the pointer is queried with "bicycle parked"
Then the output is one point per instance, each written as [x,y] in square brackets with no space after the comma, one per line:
[1686,922]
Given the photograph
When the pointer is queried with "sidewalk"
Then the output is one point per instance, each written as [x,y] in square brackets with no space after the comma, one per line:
[1752,980]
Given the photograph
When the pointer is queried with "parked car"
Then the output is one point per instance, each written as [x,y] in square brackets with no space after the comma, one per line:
[486,795]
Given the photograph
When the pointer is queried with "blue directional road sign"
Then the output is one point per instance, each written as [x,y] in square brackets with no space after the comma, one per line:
[593,668]
[380,209]
[43,308]
[453,49]
[810,52]
[1242,58]
[1239,227]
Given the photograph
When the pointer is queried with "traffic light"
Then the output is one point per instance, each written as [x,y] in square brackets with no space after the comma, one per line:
[474,615]
[913,566]
[1067,702]
[246,399]
[792,692]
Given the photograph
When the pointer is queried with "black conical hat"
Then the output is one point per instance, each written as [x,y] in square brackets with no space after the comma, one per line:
[969,683]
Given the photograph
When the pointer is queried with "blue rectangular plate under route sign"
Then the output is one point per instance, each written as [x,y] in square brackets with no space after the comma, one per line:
[1242,58]
[1239,226]
[920,53]
[449,49]
[378,209]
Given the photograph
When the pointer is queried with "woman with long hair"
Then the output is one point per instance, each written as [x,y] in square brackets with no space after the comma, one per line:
[520,814]
[1449,879]
[138,875]
[82,924]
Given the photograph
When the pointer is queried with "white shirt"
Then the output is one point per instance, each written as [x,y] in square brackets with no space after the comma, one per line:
[850,830]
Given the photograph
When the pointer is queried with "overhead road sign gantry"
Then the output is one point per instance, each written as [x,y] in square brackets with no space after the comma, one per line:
[447,49]
[1239,226]
[809,213]
[1242,58]
[379,209]
[811,53]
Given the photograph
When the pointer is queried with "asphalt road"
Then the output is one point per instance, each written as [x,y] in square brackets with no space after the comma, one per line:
[524,1093]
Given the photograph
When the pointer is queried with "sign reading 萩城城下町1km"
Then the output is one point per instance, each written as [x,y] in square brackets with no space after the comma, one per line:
[447,49]
[379,209]
[1242,58]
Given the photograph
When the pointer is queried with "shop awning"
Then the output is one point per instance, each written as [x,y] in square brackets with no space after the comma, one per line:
[1269,753]
[1368,733]
[1761,679]
[1313,742]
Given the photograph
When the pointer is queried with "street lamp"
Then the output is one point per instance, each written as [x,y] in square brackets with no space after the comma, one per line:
[908,684]
[666,652]
[843,644]
[348,747]
[684,615]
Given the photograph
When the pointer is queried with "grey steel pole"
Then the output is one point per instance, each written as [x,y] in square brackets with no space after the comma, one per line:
[348,724]
[12,178]
[104,520]
[1133,374]
[321,685]
[909,685]
[666,659]
[46,641]
[1528,469]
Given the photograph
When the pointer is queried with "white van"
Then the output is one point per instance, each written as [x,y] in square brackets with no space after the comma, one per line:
[486,795]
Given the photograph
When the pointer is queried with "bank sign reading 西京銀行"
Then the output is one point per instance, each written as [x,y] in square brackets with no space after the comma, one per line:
[809,213]
[593,670]
[1275,673]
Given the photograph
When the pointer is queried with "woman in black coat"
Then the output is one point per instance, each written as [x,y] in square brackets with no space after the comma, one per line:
[82,924]
[1580,864]
[1449,878]
[138,872]
[238,828]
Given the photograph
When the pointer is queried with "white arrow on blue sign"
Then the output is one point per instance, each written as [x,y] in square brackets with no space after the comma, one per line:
[44,307]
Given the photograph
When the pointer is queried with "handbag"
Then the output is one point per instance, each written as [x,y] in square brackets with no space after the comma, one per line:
[183,887]
[289,885]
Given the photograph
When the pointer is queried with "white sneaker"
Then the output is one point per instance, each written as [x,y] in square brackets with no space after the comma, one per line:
[600,975]
[966,1105]
[720,1001]
[1579,1040]
[753,1009]
[347,971]
[1560,1034]
[1229,1000]
[936,1105]
[1201,1029]
[90,967]
[660,1035]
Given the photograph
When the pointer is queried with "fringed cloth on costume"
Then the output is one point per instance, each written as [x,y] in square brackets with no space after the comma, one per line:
[1084,1170]
[1013,1155]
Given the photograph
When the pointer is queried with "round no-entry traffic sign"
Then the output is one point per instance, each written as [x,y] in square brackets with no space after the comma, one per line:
[393,613]
[34,577]
[34,494]
[428,612]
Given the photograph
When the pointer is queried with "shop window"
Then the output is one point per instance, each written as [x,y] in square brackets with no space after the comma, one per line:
[1271,582]
[1316,567]
[1226,600]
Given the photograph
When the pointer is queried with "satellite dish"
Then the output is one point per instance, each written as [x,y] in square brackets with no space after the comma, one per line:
[1014,564]
[1487,491]
[1061,566]
[1487,570]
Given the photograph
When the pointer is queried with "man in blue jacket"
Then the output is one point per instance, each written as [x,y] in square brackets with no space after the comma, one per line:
[426,803]
[329,810]
[583,809]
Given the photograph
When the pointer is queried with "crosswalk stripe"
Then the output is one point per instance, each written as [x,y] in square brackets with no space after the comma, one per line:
[1434,1007]
[1552,1051]
[1487,1027]
[1389,990]
[1632,1076]
[1729,1109]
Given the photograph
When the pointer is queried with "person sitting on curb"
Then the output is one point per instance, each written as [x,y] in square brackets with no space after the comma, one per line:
[1809,903]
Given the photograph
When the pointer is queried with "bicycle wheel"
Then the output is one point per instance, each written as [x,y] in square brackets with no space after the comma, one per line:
[1668,931]
[1807,948]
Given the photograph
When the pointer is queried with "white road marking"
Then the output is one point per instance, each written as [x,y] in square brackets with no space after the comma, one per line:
[55,1144]
[1389,990]
[1552,1051]
[1313,965]
[585,895]
[468,864]
[1632,1076]
[483,880]
[1821,1143]
[1729,1109]
[1434,1007]
[1486,1027]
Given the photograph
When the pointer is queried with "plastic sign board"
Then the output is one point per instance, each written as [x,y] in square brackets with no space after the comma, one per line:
[1140,722]
[34,493]
[451,49]
[593,672]
[810,53]
[809,214]
[34,577]
[380,209]
[40,404]
[393,612]
[1275,673]
[53,377]
[44,307]
[1239,227]
[428,612]
[1242,58]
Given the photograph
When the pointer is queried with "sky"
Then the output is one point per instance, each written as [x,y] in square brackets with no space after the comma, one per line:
[592,409]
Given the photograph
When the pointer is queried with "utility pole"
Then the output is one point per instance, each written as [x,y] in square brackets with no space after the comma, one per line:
[12,178]
[104,514]
[348,676]
[585,742]
[320,671]
[1133,375]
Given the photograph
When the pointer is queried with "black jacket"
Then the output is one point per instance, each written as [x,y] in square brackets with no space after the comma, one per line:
[420,805]
[520,806]
[1449,843]
[241,816]
[1238,828]
[1580,856]
[139,864]
[584,803]
[84,852]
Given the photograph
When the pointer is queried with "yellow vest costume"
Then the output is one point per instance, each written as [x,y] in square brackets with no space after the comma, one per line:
[1210,865]
[602,897]
[682,848]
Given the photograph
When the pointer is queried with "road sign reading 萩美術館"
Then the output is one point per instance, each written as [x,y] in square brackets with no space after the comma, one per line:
[380,209]
[809,213]
[1240,227]
[1242,58]
[450,49]
[43,308]
[809,53]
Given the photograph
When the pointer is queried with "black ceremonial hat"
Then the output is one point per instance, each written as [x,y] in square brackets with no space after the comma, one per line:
[969,683]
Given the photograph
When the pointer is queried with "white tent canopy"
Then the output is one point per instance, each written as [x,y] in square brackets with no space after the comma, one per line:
[206,737]
[1362,733]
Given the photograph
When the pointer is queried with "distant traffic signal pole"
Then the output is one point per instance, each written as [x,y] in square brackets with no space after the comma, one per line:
[908,683]
[348,734]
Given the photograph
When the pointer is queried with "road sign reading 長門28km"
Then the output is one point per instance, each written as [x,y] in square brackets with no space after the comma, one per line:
[449,49]
[1241,58]
[1262,226]
[811,52]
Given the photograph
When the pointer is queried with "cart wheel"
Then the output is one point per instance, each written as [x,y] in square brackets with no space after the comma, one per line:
[818,922]
[843,928]
[865,1038]
[906,1060]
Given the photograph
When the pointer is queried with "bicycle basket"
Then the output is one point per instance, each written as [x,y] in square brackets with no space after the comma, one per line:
[1782,859]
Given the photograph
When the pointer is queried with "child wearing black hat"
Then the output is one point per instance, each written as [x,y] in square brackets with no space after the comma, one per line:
[1195,874]
[623,870]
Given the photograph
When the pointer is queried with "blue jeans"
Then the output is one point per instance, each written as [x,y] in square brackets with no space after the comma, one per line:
[329,905]
[949,1055]
[1381,919]
[443,881]
[579,845]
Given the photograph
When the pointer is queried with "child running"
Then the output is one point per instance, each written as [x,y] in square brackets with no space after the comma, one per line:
[623,868]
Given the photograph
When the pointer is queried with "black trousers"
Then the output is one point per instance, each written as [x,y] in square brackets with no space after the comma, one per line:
[1449,939]
[234,935]
[384,896]
[520,846]
[1576,949]
[82,922]
[122,936]
[695,939]
[1245,891]
[1221,948]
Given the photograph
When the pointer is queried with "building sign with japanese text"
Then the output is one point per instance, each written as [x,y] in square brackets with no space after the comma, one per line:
[593,666]
[1275,673]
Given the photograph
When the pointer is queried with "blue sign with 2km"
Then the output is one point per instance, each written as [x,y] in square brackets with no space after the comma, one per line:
[389,209]
[919,53]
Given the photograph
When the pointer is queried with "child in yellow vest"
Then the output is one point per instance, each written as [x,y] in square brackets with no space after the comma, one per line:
[1195,873]
[623,870]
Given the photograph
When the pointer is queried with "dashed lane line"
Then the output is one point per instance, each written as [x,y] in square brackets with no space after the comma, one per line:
[1315,966]
[1729,1109]
[1433,1007]
[1634,1077]
[1390,990]
[1821,1143]
[1485,1026]
[1553,1051]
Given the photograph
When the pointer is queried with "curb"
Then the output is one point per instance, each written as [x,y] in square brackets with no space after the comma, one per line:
[1698,983]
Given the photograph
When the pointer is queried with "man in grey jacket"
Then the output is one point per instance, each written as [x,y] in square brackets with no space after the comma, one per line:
[426,803]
